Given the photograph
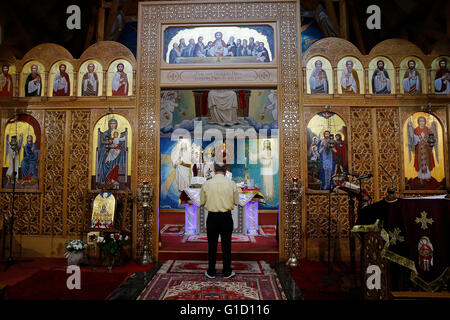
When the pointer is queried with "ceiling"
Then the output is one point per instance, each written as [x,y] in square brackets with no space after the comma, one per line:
[27,23]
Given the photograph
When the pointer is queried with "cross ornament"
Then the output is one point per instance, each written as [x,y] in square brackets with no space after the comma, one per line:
[424,220]
[395,236]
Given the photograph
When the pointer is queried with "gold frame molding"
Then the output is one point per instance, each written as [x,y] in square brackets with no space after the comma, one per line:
[152,15]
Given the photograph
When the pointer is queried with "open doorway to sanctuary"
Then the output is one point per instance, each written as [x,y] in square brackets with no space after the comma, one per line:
[275,65]
[237,126]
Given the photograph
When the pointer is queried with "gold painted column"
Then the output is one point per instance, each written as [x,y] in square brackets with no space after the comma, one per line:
[366,78]
[397,80]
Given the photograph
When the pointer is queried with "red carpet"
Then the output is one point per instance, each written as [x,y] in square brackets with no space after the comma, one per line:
[184,280]
[190,266]
[172,248]
[51,285]
[203,255]
[309,278]
[174,243]
[22,270]
[45,278]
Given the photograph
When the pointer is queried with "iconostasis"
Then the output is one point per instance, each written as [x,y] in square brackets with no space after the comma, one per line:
[74,123]
[389,109]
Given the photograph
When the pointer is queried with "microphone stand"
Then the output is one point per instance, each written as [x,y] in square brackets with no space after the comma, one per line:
[328,277]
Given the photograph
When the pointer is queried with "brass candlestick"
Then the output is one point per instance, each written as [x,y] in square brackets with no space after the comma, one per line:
[295,191]
[144,197]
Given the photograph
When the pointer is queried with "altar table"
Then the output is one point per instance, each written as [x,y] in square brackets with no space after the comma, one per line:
[245,215]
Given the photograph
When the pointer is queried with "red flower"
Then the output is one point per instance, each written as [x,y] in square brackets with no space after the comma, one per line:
[116,237]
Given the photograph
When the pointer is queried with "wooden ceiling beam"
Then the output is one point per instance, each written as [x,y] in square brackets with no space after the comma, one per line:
[343,26]
[332,14]
[112,17]
[91,28]
[356,27]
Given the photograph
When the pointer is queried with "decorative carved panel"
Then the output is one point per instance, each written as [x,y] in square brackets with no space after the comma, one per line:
[363,158]
[388,132]
[52,214]
[317,215]
[78,175]
[27,213]
[372,244]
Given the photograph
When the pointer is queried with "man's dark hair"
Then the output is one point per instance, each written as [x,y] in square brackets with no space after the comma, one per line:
[220,167]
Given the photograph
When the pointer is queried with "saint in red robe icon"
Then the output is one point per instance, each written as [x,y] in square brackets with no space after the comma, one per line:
[120,82]
[61,84]
[6,82]
[425,254]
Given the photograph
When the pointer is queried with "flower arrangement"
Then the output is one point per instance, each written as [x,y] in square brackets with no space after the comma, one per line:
[75,251]
[111,244]
[75,245]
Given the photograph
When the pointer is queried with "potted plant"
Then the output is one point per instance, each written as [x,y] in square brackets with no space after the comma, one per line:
[75,251]
[111,245]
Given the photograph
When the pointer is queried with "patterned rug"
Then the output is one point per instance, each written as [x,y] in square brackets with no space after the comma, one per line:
[247,267]
[172,230]
[268,230]
[235,238]
[185,280]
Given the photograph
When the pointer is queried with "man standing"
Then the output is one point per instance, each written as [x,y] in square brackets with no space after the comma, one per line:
[219,195]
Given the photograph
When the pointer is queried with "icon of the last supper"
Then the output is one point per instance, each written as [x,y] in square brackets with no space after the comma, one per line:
[222,44]
[235,126]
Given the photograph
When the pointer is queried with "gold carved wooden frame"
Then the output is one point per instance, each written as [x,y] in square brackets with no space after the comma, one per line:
[152,15]
[439,112]
[39,116]
[269,64]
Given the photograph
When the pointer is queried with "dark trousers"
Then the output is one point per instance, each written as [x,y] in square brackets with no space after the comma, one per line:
[219,223]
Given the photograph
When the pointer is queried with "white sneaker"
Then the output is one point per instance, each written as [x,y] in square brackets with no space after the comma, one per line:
[231,275]
[208,276]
